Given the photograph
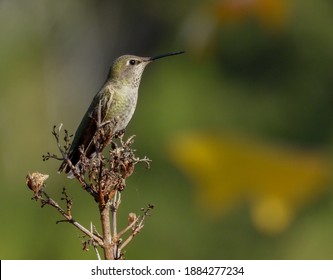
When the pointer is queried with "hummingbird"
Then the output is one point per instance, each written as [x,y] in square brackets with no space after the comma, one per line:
[112,107]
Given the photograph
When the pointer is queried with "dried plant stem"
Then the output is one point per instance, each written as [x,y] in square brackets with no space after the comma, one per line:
[106,231]
[114,209]
[104,178]
[69,218]
[94,243]
[134,232]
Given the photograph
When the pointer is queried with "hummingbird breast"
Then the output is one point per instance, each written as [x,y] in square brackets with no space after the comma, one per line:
[121,107]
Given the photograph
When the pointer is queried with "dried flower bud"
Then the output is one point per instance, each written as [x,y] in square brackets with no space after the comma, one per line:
[129,168]
[35,181]
[131,218]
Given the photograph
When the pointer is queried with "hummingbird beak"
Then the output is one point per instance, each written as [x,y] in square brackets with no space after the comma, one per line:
[164,55]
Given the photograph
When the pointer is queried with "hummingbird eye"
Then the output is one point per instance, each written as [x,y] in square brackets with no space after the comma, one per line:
[132,62]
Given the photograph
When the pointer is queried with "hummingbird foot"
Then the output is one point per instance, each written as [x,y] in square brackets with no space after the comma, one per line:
[101,125]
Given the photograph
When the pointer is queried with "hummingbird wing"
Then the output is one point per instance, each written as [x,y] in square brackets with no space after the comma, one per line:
[88,127]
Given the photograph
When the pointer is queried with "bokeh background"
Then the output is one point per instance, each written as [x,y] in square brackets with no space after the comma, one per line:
[240,128]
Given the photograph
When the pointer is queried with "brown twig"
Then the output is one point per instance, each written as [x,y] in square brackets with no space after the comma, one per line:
[136,226]
[106,231]
[68,217]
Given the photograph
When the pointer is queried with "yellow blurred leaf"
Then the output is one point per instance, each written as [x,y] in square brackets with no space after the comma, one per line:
[227,170]
[201,28]
[269,13]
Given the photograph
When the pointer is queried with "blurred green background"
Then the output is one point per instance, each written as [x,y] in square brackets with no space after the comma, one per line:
[240,128]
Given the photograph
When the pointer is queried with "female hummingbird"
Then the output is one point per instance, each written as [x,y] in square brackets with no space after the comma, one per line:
[112,107]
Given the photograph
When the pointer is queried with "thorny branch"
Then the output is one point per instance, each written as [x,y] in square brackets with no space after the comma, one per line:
[104,178]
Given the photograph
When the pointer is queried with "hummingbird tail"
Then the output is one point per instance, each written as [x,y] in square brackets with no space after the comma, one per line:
[74,157]
[63,167]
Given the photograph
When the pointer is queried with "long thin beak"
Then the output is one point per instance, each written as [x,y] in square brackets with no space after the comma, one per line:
[164,55]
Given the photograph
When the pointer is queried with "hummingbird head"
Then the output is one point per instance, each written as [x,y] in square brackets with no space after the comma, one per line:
[127,69]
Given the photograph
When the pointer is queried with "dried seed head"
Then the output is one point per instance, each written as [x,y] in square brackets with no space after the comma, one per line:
[35,181]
